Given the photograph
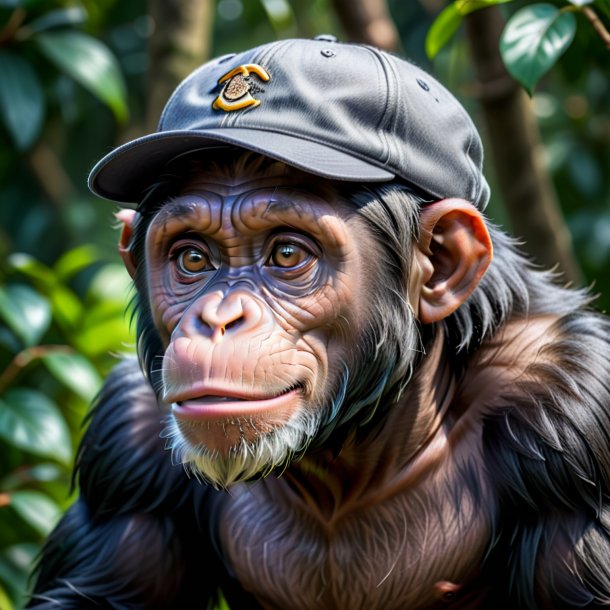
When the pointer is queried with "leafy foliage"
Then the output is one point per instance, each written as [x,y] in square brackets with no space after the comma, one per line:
[49,379]
[532,42]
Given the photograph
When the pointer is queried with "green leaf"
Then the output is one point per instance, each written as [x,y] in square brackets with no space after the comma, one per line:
[533,40]
[30,421]
[30,267]
[442,30]
[75,260]
[75,372]
[111,283]
[109,336]
[36,509]
[5,602]
[89,62]
[67,308]
[26,312]
[62,17]
[464,7]
[21,99]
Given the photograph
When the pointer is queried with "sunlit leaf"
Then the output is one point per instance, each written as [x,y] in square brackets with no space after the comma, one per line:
[75,260]
[532,41]
[36,509]
[21,99]
[464,7]
[5,602]
[74,371]
[111,282]
[89,62]
[27,313]
[110,336]
[30,267]
[62,17]
[67,308]
[442,30]
[30,421]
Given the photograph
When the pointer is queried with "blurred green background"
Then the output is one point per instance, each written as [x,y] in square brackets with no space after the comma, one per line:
[79,77]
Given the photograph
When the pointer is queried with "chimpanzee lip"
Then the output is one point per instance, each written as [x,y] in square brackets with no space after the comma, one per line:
[227,403]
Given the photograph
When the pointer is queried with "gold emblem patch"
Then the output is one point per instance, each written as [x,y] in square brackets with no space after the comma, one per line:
[238,89]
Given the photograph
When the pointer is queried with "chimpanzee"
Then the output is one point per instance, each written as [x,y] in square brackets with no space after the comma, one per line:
[341,400]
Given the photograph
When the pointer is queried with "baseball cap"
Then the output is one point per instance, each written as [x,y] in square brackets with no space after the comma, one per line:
[342,111]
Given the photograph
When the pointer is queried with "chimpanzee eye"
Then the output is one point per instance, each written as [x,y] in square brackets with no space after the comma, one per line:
[288,255]
[193,260]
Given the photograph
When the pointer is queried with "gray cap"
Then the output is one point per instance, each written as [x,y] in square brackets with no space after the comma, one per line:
[337,110]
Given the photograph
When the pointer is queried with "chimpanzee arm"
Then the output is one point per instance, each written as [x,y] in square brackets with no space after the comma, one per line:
[549,453]
[133,537]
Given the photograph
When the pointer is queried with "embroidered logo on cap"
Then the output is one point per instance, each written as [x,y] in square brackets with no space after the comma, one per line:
[239,87]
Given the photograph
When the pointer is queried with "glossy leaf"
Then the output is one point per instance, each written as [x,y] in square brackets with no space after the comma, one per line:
[75,372]
[21,99]
[63,17]
[26,312]
[442,30]
[30,421]
[89,62]
[532,41]
[36,509]
[464,7]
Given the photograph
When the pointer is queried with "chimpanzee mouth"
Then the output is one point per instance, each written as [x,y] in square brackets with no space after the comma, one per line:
[222,404]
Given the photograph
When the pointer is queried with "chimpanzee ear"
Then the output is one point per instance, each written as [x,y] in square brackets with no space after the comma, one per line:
[454,250]
[127,218]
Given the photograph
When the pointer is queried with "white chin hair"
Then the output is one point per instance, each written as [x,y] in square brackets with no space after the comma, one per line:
[245,460]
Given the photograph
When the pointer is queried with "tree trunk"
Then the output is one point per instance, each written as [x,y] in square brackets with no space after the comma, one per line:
[516,149]
[179,43]
[367,21]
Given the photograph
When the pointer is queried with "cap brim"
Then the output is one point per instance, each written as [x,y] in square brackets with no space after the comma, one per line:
[124,174]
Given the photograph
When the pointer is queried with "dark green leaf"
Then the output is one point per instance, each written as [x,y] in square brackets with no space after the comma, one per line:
[442,30]
[89,62]
[23,475]
[76,372]
[21,99]
[62,17]
[26,312]
[30,421]
[532,41]
[36,509]
[464,7]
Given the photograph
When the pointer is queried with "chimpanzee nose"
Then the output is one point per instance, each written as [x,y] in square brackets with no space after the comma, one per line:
[216,314]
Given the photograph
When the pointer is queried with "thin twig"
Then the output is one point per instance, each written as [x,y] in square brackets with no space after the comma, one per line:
[25,357]
[12,25]
[597,24]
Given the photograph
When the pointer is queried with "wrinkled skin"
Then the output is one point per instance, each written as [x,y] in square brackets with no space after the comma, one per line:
[253,283]
[364,439]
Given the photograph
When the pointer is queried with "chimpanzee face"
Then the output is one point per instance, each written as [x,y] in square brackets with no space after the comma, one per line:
[257,289]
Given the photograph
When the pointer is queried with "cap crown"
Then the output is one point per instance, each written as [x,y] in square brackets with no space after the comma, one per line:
[342,111]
